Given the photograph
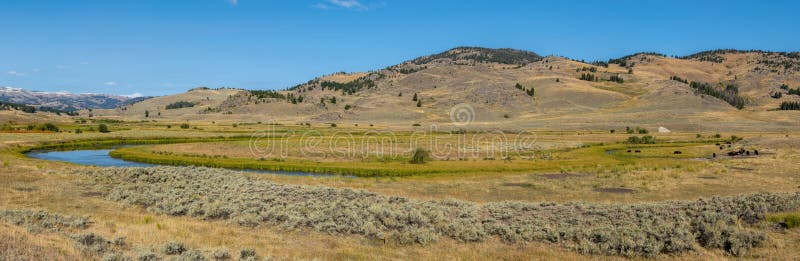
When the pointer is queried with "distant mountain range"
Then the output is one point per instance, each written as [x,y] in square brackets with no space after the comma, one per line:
[64,101]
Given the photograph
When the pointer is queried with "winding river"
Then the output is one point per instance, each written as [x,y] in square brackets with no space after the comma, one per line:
[101,157]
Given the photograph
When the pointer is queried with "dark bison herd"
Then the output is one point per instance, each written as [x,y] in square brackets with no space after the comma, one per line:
[734,153]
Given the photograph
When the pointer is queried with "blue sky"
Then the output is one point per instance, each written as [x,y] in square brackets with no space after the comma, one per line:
[157,47]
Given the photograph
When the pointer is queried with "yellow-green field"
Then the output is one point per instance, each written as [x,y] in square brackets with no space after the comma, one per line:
[587,166]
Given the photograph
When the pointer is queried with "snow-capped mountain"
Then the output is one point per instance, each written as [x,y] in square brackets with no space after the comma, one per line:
[64,100]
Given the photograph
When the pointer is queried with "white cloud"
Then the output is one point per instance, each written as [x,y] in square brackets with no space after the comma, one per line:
[16,73]
[111,83]
[342,4]
[133,95]
[347,4]
[234,2]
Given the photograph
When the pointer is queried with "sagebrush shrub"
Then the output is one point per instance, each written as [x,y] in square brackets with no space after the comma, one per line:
[173,248]
[645,229]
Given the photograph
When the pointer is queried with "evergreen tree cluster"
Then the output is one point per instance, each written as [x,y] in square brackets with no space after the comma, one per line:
[179,104]
[791,91]
[294,99]
[729,95]
[32,109]
[600,63]
[530,91]
[679,79]
[583,69]
[617,79]
[623,61]
[349,87]
[588,77]
[777,95]
[13,106]
[789,106]
[408,70]
[483,55]
[264,94]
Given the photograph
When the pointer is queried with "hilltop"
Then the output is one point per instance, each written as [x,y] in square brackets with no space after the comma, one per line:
[519,89]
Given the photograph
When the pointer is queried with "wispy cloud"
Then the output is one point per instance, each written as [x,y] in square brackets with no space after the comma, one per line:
[342,4]
[233,2]
[16,73]
[347,3]
[320,6]
[111,83]
[133,95]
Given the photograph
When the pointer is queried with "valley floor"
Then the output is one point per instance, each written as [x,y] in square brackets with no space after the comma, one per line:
[139,214]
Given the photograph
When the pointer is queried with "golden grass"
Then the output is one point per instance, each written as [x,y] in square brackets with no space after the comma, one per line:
[653,174]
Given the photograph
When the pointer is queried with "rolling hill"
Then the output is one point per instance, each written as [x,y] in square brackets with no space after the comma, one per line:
[715,90]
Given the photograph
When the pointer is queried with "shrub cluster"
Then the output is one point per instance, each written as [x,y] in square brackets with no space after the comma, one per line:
[646,139]
[612,229]
[37,221]
[179,104]
[588,77]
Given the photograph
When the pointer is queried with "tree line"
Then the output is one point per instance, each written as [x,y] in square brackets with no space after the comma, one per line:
[730,94]
[789,106]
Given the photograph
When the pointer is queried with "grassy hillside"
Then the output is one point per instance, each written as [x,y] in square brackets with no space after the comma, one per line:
[520,89]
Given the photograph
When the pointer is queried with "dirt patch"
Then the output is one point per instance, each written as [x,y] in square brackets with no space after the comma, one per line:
[518,184]
[615,190]
[559,176]
[92,194]
[26,189]
[708,177]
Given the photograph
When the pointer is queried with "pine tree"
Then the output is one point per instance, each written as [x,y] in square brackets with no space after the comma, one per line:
[419,102]
[146,114]
[415,97]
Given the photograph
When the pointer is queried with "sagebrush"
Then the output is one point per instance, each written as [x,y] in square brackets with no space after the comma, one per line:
[646,229]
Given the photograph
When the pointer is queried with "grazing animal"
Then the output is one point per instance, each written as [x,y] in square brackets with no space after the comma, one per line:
[714,155]
[629,150]
[755,152]
[677,152]
[638,151]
